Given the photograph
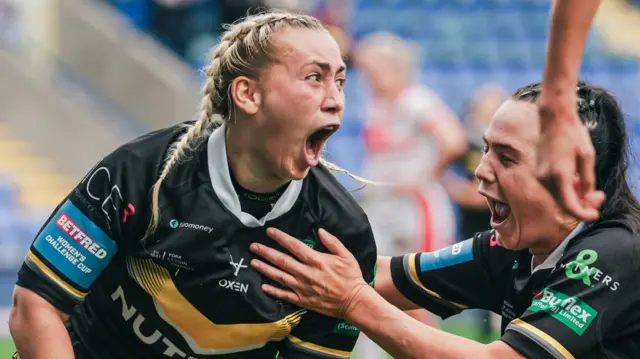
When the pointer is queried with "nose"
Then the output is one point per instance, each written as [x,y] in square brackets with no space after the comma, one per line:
[484,172]
[334,100]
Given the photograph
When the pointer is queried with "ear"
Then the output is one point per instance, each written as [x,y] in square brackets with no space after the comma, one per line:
[245,94]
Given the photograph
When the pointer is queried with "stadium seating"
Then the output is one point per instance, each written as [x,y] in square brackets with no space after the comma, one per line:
[466,43]
[29,190]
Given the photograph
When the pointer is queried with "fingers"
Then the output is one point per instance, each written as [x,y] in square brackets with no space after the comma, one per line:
[569,195]
[293,245]
[279,259]
[566,186]
[586,169]
[282,294]
[333,244]
[275,274]
[596,199]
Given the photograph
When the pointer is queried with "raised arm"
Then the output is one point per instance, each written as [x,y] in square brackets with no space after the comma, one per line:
[565,150]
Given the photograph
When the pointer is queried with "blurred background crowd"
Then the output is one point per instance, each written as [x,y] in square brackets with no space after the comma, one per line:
[80,77]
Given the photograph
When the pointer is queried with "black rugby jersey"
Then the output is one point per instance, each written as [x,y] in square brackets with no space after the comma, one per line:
[188,290]
[581,302]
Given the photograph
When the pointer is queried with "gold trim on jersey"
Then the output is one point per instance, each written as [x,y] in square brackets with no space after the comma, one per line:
[204,336]
[544,336]
[414,276]
[54,277]
[319,348]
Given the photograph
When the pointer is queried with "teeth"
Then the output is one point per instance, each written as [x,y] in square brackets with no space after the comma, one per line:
[502,209]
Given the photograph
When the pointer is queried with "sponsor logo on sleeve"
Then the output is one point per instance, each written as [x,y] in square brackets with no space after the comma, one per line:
[101,189]
[75,246]
[571,311]
[582,269]
[456,254]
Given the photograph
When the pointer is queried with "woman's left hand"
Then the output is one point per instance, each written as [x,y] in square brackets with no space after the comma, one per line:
[323,282]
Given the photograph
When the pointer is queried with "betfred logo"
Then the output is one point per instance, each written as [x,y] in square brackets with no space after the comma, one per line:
[79,236]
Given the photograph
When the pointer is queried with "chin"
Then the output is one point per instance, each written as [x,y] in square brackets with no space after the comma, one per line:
[297,174]
[508,240]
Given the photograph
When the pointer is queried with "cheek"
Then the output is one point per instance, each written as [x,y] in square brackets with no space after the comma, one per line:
[292,105]
[531,205]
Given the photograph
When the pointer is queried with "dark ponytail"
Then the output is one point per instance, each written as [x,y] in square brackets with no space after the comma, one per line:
[602,115]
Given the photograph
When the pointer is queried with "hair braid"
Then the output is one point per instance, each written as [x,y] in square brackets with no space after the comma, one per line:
[195,131]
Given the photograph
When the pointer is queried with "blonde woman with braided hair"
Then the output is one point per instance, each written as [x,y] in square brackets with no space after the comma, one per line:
[148,257]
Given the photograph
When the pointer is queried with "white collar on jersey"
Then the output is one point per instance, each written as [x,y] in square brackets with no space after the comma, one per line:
[221,181]
[557,253]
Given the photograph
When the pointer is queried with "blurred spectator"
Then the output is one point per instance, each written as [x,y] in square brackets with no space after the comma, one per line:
[411,136]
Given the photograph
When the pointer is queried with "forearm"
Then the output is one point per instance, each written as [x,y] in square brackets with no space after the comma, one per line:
[570,24]
[404,337]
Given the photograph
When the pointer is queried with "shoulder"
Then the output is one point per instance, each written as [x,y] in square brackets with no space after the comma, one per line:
[332,204]
[604,253]
[611,239]
[149,148]
[143,157]
[129,172]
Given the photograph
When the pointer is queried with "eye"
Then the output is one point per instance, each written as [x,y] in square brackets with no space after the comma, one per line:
[506,161]
[314,77]
[485,149]
[341,82]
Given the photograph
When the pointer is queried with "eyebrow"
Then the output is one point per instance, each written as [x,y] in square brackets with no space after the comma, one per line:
[325,66]
[503,146]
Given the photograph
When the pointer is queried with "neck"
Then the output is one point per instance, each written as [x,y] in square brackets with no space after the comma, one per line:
[543,249]
[247,166]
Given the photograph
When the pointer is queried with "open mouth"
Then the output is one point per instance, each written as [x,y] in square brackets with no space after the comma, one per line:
[316,141]
[500,211]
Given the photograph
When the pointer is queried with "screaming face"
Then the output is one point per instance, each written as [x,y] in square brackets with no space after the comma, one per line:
[523,213]
[302,100]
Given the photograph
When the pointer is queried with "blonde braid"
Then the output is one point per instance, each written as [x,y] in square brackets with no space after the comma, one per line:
[199,129]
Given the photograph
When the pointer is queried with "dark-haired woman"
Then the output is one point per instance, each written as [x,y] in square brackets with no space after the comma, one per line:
[564,288]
